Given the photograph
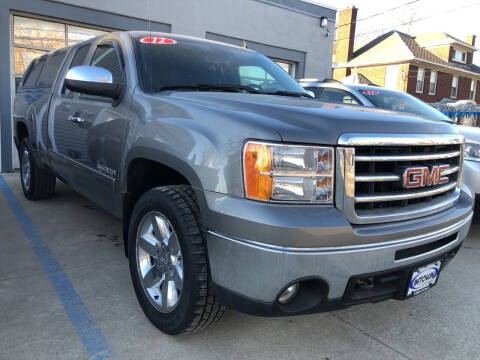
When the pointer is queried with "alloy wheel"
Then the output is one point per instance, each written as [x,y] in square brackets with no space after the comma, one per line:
[26,169]
[159,261]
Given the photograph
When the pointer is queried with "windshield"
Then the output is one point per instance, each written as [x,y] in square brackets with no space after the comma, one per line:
[183,62]
[398,101]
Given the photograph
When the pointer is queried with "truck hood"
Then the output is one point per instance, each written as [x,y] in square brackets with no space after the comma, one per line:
[308,120]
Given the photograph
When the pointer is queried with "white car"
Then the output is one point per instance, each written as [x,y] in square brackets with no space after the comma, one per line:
[471,170]
[373,96]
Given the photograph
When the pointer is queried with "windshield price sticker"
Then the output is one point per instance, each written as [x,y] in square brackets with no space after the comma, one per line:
[370,92]
[157,40]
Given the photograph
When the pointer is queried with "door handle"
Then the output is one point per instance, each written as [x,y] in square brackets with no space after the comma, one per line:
[76,119]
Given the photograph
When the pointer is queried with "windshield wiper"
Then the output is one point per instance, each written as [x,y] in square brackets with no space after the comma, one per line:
[288,93]
[232,88]
[210,87]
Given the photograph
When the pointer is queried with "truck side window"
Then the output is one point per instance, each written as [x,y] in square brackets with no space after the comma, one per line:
[106,57]
[78,59]
[51,68]
[32,75]
[80,55]
[338,96]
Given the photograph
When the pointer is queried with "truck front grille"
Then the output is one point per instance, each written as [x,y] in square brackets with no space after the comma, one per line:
[373,177]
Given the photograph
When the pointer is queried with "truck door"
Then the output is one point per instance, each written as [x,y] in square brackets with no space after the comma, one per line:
[82,124]
[66,139]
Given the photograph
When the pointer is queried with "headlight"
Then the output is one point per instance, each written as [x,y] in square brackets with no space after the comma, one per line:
[278,172]
[472,151]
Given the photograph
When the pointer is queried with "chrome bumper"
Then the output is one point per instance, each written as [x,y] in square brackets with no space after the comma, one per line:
[259,271]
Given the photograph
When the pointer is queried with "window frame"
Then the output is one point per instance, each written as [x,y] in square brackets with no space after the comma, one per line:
[435,83]
[473,84]
[65,23]
[463,57]
[454,87]
[293,66]
[423,80]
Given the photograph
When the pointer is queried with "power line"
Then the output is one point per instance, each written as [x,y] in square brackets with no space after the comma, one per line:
[380,13]
[416,20]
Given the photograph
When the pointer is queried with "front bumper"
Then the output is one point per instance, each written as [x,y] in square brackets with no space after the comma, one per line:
[256,249]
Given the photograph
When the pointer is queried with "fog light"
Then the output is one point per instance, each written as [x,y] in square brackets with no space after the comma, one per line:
[288,294]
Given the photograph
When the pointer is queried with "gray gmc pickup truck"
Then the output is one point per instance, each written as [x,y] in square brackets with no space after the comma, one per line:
[235,188]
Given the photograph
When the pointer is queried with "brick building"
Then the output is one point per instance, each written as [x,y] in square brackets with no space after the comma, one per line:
[430,66]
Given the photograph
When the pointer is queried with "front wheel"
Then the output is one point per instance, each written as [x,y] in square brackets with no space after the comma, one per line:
[168,261]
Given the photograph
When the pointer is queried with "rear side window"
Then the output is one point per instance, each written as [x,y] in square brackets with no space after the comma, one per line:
[51,68]
[78,60]
[31,77]
[80,56]
[338,96]
[106,57]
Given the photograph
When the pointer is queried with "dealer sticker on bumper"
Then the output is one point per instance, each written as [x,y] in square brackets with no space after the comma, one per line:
[423,278]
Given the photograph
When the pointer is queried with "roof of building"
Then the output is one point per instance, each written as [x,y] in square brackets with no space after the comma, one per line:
[440,38]
[396,46]
[417,52]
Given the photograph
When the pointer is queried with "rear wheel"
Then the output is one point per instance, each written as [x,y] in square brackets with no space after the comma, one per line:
[36,183]
[168,261]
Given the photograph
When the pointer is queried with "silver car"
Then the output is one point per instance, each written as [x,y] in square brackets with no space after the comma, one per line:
[373,96]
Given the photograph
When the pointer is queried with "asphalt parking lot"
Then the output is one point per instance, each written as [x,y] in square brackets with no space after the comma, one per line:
[65,293]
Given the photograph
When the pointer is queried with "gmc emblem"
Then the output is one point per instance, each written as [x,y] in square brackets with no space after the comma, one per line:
[424,176]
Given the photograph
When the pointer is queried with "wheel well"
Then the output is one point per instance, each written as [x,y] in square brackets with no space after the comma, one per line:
[142,176]
[22,133]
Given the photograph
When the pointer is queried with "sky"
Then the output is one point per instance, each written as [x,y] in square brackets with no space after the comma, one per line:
[458,18]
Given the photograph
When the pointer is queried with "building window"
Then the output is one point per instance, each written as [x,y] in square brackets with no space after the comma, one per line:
[453,94]
[432,86]
[460,56]
[420,80]
[34,37]
[473,89]
[288,66]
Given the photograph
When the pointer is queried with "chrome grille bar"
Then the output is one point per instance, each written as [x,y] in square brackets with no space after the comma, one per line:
[406,196]
[414,157]
[391,177]
[377,178]
[375,194]
[450,171]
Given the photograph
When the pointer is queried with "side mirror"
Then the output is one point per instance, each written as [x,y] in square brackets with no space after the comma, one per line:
[311,93]
[92,80]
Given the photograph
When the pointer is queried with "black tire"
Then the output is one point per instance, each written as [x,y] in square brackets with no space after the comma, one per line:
[476,210]
[41,184]
[197,307]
